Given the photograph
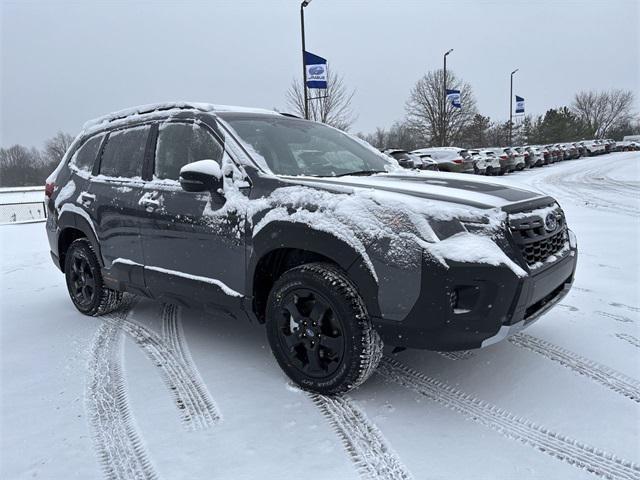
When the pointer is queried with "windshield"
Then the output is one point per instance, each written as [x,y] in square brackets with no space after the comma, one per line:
[292,146]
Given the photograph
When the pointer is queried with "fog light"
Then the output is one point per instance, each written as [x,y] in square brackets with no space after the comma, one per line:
[463,299]
[453,299]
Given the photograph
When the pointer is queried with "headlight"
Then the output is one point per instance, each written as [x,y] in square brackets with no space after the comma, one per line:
[573,241]
[446,228]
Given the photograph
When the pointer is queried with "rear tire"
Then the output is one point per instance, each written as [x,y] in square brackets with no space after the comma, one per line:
[319,329]
[84,281]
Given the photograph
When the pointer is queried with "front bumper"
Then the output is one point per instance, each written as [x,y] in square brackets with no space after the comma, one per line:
[489,304]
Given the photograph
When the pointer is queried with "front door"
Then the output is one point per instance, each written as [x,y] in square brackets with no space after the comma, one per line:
[192,242]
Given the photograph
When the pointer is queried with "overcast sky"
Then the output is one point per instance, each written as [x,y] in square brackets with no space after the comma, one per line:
[66,61]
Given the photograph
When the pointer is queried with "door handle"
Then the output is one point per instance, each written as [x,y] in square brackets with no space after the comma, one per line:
[87,197]
[150,204]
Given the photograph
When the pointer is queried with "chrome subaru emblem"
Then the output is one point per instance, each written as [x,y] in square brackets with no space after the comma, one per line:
[551,222]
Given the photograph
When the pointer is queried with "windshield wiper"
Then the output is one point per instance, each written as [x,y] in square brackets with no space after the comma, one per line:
[361,173]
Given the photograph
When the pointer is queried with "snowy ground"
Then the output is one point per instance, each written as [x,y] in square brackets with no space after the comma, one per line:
[170,393]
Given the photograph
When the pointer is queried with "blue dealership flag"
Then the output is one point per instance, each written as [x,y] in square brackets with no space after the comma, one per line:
[316,68]
[453,96]
[519,104]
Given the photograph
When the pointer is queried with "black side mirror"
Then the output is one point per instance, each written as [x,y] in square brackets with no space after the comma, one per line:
[201,176]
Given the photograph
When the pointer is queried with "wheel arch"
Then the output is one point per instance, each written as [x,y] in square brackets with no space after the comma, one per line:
[72,226]
[281,246]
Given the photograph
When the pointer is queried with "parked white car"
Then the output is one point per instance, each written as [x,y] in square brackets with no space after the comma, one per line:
[627,145]
[594,147]
[450,159]
[485,162]
[536,156]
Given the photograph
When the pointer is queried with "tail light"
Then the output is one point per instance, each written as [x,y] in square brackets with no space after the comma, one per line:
[458,160]
[503,157]
[48,189]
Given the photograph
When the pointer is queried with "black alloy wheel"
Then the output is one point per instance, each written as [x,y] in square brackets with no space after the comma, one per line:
[319,329]
[83,276]
[82,283]
[311,333]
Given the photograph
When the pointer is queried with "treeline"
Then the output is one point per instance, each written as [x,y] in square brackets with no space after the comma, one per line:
[21,166]
[432,122]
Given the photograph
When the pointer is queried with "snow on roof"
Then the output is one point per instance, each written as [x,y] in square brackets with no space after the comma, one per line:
[168,106]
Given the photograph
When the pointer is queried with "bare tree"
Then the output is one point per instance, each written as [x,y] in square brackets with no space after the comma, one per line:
[20,166]
[601,111]
[333,107]
[56,147]
[424,108]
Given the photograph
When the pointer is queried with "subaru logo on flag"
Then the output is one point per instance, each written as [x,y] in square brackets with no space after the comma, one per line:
[453,96]
[519,104]
[316,69]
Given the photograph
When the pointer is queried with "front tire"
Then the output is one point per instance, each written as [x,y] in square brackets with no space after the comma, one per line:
[84,281]
[319,329]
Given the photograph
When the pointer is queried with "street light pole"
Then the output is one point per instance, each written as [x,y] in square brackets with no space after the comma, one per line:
[511,107]
[444,100]
[304,67]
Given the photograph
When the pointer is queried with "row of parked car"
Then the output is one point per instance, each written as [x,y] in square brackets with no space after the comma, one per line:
[501,160]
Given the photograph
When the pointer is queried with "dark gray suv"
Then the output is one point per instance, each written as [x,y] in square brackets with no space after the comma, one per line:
[302,227]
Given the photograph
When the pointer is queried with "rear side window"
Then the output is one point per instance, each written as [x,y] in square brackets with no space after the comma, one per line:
[123,155]
[182,143]
[86,155]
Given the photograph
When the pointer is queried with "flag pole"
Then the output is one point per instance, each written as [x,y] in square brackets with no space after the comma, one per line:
[304,68]
[444,100]
[511,107]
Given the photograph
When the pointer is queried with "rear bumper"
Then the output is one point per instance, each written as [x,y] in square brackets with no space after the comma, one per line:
[489,304]
[508,165]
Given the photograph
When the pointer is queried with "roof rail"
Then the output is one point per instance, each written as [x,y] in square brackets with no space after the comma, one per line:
[166,106]
[145,109]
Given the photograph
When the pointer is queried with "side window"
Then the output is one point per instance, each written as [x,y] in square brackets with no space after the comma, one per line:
[86,155]
[182,143]
[123,155]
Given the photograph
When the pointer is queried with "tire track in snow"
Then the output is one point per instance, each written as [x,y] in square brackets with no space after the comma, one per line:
[191,397]
[629,338]
[608,377]
[460,355]
[205,408]
[552,443]
[116,439]
[622,305]
[365,444]
[587,184]
[617,318]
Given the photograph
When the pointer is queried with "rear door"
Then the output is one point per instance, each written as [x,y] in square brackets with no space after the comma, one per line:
[115,190]
[193,242]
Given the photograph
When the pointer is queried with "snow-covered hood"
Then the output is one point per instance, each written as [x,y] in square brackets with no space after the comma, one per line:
[452,188]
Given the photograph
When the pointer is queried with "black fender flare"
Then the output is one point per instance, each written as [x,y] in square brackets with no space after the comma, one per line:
[284,234]
[71,219]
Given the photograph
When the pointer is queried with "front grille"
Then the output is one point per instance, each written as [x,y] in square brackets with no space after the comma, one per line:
[537,243]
